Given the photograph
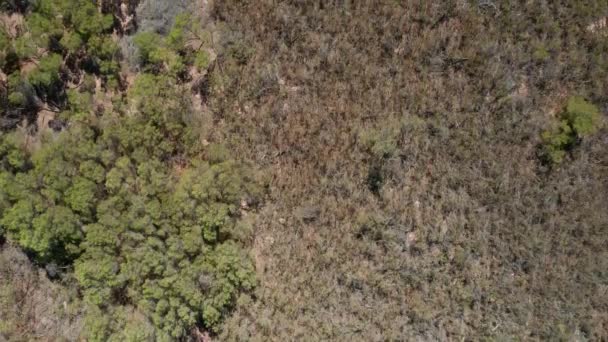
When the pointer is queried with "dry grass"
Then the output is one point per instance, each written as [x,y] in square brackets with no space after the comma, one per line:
[467,236]
[33,308]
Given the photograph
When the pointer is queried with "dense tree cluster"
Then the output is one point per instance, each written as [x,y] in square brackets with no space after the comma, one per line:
[56,45]
[108,199]
[124,194]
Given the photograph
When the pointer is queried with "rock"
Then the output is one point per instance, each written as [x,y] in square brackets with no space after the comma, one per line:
[410,239]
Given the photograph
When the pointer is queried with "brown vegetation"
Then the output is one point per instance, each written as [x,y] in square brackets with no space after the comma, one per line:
[411,139]
[32,307]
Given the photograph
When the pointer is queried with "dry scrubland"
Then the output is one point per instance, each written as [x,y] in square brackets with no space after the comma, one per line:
[427,171]
[408,199]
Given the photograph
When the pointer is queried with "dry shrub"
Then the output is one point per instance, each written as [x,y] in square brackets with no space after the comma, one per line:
[31,306]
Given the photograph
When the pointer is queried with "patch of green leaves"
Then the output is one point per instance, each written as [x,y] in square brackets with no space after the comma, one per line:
[381,143]
[580,119]
[47,71]
[106,199]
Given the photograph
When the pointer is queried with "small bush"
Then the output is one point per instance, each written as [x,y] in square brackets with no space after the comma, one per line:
[147,43]
[582,116]
[580,119]
[381,143]
[201,61]
[541,54]
[16,99]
